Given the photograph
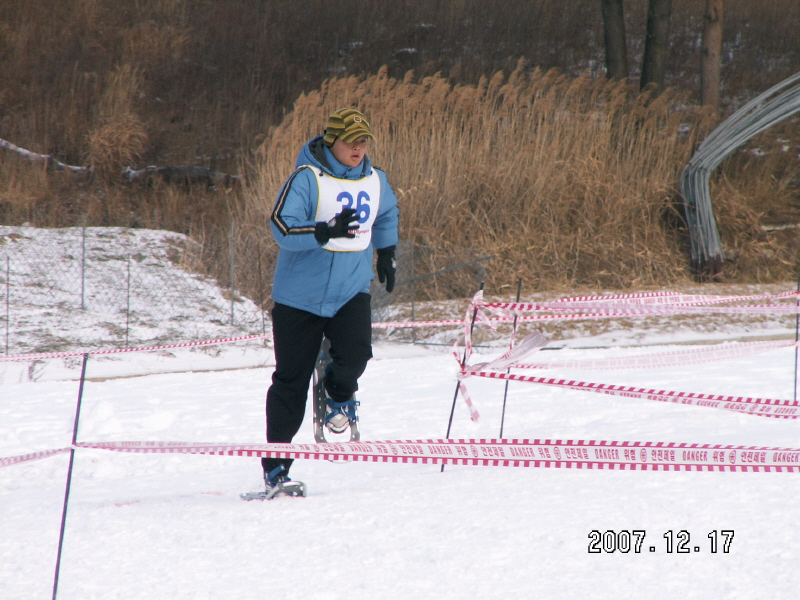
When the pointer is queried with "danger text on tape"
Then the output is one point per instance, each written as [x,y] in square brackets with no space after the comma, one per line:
[569,454]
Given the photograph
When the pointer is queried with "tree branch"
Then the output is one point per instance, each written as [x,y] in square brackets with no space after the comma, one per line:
[178,175]
[181,175]
[51,162]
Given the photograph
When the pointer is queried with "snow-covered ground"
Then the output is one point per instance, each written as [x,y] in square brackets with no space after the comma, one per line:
[71,288]
[168,526]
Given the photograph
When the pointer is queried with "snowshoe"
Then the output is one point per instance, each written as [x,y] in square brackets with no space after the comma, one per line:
[277,484]
[336,417]
[340,415]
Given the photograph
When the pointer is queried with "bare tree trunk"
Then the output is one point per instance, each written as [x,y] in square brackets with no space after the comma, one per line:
[616,44]
[711,53]
[656,44]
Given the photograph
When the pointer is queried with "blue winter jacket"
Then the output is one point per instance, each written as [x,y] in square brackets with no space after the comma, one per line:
[307,276]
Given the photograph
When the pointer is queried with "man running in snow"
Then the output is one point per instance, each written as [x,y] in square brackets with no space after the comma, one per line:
[330,214]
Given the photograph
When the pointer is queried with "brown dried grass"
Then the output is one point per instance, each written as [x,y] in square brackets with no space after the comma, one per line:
[118,137]
[567,181]
[756,196]
[116,143]
[206,78]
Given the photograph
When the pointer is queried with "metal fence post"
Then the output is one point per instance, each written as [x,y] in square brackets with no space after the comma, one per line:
[232,250]
[8,299]
[83,264]
[128,303]
[413,294]
[261,298]
[796,338]
[69,475]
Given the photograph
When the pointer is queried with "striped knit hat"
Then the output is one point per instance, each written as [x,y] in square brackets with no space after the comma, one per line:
[348,125]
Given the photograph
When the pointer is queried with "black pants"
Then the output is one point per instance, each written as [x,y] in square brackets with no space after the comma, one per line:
[297,335]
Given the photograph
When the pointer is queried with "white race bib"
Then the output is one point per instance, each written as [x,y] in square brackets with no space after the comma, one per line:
[362,195]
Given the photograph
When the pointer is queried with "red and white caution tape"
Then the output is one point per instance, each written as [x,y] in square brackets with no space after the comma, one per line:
[643,297]
[567,454]
[411,324]
[600,307]
[666,298]
[658,303]
[13,460]
[473,410]
[660,359]
[763,407]
[530,343]
[651,304]
[622,310]
[45,355]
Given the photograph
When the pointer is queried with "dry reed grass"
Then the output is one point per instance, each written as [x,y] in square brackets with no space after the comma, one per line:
[119,136]
[567,181]
[757,205]
[174,82]
[215,74]
[115,144]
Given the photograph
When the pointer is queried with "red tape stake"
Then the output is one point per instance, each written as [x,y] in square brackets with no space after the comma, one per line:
[565,454]
[762,407]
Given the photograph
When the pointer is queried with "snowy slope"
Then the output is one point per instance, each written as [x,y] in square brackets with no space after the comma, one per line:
[73,288]
[172,526]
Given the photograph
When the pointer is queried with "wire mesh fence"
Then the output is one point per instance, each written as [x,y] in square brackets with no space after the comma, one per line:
[83,286]
[79,288]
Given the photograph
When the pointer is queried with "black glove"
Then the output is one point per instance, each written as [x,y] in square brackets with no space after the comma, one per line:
[339,226]
[386,267]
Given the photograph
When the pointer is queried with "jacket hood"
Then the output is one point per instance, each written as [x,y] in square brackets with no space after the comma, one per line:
[316,154]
